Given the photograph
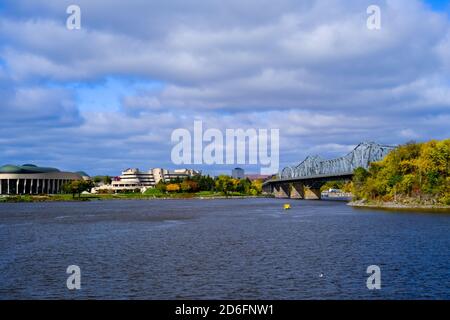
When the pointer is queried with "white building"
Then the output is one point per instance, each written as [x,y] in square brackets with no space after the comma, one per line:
[133,178]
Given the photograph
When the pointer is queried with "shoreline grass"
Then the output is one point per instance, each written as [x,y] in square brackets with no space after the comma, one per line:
[123,196]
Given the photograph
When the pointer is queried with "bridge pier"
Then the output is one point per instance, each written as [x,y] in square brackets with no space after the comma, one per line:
[281,190]
[267,189]
[297,191]
[312,194]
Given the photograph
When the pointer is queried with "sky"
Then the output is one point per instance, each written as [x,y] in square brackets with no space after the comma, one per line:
[108,96]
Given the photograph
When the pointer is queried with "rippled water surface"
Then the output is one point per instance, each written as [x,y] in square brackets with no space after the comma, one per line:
[214,249]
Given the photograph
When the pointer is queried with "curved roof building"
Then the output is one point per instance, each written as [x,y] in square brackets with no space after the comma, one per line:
[31,179]
[26,168]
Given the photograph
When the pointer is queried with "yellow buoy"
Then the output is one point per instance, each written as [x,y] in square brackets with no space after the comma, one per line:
[287,206]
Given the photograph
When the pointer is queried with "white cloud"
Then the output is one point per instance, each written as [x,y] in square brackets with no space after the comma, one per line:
[409,134]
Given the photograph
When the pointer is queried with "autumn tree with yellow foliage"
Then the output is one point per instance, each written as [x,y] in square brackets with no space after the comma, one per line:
[412,173]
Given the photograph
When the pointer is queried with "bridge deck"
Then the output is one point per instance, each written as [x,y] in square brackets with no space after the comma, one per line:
[314,177]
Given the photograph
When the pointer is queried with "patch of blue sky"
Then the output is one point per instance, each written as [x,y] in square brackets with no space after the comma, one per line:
[107,95]
[439,5]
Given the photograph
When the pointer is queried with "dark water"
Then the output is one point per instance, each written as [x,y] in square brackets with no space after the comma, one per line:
[214,249]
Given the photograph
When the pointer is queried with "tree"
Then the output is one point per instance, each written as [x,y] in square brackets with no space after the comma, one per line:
[244,186]
[256,187]
[77,187]
[418,170]
[161,186]
[176,180]
[360,176]
[102,179]
[173,187]
[189,186]
[97,179]
[224,184]
[205,183]
[107,180]
[336,184]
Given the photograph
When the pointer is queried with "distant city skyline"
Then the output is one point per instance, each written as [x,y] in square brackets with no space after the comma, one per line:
[108,96]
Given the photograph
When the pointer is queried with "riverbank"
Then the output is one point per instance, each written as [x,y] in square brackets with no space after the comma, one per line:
[397,205]
[123,196]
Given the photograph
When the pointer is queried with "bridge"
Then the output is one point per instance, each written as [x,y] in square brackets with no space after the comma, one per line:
[305,180]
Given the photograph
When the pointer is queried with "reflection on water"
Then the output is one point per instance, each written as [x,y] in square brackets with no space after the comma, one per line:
[213,249]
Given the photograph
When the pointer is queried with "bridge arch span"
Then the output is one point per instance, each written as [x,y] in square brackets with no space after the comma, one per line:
[361,156]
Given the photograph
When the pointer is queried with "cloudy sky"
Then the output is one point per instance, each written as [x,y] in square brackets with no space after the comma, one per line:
[108,96]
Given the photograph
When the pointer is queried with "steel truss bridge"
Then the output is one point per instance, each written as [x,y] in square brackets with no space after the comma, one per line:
[314,171]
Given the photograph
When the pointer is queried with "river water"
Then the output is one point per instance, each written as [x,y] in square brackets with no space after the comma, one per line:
[221,249]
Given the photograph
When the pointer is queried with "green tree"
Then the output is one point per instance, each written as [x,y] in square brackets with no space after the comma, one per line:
[256,187]
[97,179]
[75,187]
[244,186]
[161,186]
[224,184]
[205,183]
[360,176]
[189,186]
[107,180]
[336,184]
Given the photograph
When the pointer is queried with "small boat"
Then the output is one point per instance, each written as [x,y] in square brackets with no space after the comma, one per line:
[287,206]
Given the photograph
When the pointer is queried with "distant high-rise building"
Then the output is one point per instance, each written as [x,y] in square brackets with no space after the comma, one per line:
[238,173]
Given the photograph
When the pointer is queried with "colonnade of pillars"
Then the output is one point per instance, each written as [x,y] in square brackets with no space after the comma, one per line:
[295,191]
[31,186]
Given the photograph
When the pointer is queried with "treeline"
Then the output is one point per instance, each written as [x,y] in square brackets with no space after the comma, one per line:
[102,179]
[223,184]
[342,185]
[414,172]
